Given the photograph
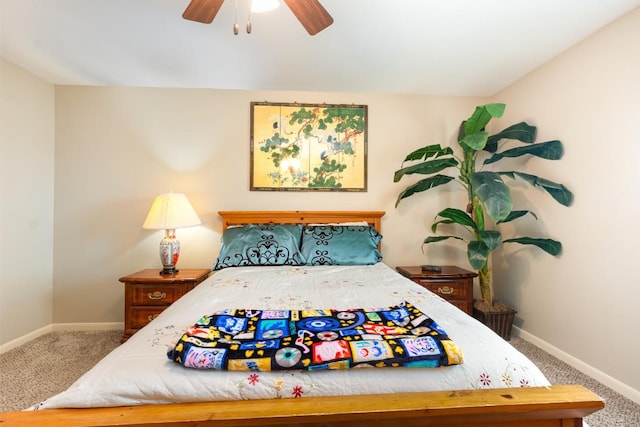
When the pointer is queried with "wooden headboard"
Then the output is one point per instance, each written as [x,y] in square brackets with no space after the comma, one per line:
[230,218]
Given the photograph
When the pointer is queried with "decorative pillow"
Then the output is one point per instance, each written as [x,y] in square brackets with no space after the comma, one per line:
[260,244]
[340,245]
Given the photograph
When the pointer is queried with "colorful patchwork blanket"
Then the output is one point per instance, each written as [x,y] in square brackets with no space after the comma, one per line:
[266,340]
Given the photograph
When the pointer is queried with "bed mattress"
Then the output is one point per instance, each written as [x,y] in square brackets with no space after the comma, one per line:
[139,371]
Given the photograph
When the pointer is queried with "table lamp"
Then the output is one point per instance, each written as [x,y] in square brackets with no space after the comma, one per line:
[168,212]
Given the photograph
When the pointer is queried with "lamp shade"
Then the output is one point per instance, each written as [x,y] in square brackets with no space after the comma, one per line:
[170,211]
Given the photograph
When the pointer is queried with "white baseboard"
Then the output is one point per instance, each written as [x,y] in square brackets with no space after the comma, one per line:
[108,326]
[25,338]
[609,381]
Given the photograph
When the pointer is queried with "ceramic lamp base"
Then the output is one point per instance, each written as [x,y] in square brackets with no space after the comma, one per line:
[169,252]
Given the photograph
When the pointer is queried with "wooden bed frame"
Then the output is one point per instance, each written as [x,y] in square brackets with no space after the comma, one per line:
[230,218]
[559,406]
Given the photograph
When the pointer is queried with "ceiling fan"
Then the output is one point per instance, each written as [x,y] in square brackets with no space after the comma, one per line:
[311,14]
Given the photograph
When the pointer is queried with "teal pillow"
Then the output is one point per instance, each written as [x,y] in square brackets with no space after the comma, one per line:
[262,244]
[340,245]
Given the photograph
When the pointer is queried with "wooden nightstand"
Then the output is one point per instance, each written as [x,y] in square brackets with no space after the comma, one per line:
[147,293]
[453,283]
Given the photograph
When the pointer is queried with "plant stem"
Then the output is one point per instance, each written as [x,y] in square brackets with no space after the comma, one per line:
[486,290]
[467,168]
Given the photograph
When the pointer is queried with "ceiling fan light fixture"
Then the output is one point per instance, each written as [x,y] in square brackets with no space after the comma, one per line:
[259,6]
[310,13]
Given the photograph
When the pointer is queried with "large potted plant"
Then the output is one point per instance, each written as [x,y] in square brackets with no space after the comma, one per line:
[489,203]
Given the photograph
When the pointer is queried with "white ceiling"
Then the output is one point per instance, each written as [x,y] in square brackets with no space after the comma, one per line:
[445,47]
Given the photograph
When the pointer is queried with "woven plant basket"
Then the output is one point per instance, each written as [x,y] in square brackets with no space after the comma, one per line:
[499,321]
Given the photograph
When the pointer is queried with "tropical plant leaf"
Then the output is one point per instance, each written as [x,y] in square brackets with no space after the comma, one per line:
[550,150]
[429,151]
[491,238]
[423,153]
[478,254]
[475,141]
[481,116]
[562,195]
[446,151]
[458,216]
[423,185]
[522,132]
[426,168]
[517,214]
[493,193]
[434,239]
[559,192]
[434,226]
[496,109]
[550,246]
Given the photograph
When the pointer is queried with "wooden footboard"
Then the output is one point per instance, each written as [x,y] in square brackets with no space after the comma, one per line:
[560,406]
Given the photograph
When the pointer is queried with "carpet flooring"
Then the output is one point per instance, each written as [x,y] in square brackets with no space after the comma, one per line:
[42,368]
[618,411]
[46,366]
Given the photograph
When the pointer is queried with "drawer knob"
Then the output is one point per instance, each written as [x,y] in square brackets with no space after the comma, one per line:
[157,295]
[152,316]
[446,290]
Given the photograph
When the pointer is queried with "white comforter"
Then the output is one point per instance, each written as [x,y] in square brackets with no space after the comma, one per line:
[139,372]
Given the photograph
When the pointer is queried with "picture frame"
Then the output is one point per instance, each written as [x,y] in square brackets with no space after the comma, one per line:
[308,147]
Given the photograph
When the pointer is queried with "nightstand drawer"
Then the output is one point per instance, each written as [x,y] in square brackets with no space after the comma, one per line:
[452,289]
[156,294]
[452,283]
[140,316]
[147,293]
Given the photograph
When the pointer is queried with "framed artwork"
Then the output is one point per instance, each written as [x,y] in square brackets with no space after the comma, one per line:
[308,147]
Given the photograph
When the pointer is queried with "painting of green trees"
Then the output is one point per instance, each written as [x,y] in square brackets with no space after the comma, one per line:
[308,147]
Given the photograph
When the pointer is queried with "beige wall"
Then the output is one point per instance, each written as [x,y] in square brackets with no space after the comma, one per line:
[586,302]
[117,148]
[26,202]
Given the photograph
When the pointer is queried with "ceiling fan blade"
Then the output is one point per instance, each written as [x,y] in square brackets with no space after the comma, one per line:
[313,17]
[202,10]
